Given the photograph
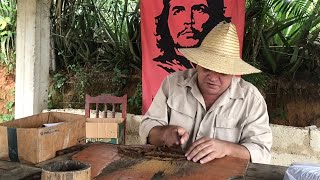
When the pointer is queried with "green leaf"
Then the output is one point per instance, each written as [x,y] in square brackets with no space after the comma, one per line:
[7,117]
[9,105]
[3,33]
[3,24]
[294,56]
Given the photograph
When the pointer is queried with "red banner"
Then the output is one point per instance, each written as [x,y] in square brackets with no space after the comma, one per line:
[169,24]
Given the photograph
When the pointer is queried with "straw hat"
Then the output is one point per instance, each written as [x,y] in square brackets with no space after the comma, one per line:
[220,52]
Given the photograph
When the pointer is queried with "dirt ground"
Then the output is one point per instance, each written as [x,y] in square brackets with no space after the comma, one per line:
[294,103]
[7,85]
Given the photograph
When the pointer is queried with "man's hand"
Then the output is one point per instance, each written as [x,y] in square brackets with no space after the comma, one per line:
[207,149]
[168,135]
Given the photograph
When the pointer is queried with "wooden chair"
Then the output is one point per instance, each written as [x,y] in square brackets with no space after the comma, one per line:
[106,100]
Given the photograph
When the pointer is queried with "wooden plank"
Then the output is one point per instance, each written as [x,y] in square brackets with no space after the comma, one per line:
[111,164]
[13,170]
[265,172]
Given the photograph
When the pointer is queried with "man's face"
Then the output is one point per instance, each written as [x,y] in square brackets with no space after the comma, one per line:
[186,19]
[212,83]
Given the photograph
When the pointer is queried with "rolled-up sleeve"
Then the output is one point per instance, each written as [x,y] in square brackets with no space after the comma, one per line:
[256,135]
[157,115]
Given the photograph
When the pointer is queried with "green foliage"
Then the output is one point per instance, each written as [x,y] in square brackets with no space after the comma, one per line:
[260,80]
[58,82]
[282,39]
[98,33]
[119,80]
[81,81]
[135,102]
[279,112]
[9,106]
[279,35]
[8,15]
[8,117]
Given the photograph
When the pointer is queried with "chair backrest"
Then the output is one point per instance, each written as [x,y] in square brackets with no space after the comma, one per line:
[105,100]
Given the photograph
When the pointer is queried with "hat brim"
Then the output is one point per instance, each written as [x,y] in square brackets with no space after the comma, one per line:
[218,62]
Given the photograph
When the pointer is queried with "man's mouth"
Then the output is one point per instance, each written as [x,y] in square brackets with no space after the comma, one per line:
[211,84]
[186,31]
[190,32]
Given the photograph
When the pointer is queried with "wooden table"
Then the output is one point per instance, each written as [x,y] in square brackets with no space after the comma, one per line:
[14,171]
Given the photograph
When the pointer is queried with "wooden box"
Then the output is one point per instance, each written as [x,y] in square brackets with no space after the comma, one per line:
[27,140]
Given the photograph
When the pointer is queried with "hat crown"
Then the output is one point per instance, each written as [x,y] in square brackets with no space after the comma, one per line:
[223,39]
[220,52]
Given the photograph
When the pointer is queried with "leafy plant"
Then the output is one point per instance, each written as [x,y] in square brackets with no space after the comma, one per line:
[279,112]
[107,32]
[89,34]
[8,15]
[135,102]
[6,117]
[9,106]
[10,116]
[121,26]
[259,80]
[81,82]
[279,35]
[58,82]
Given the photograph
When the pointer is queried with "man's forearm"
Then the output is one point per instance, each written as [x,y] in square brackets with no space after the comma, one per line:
[237,150]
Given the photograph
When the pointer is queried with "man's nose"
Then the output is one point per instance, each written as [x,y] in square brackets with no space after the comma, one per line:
[189,20]
[213,76]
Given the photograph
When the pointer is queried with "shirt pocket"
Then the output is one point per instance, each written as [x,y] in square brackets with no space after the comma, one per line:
[181,114]
[227,129]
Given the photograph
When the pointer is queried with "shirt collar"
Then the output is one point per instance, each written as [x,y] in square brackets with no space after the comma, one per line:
[235,88]
[233,92]
[190,81]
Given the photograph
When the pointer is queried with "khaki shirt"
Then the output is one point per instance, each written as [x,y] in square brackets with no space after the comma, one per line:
[239,115]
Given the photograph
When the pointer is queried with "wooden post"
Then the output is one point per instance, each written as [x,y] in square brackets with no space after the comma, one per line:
[66,170]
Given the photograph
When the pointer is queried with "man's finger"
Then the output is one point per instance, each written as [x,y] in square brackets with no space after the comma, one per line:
[183,135]
[195,144]
[211,156]
[205,150]
[199,151]
[180,131]
[184,138]
[171,136]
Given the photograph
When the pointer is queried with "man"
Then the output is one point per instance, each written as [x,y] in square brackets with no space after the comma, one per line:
[208,111]
[184,23]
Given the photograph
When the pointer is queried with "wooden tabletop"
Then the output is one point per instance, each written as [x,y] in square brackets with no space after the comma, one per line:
[14,170]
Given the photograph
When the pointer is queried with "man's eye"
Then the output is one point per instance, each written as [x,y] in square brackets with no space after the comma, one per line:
[177,10]
[200,8]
